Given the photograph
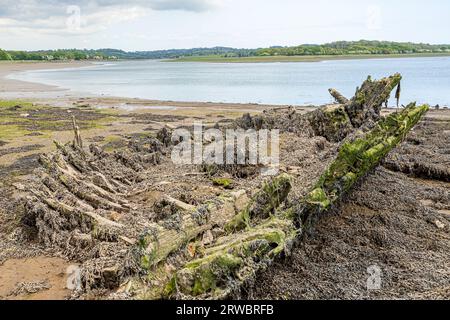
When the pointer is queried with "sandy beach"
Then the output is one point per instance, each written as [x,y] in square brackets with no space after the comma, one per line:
[10,85]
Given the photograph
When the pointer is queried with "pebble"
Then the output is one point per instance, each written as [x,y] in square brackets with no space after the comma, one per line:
[439,224]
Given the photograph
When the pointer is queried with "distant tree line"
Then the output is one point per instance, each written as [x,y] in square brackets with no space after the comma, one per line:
[335,48]
[354,48]
[49,55]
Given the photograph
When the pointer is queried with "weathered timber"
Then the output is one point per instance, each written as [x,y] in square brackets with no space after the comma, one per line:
[338,96]
[233,261]
[369,99]
[77,142]
[357,158]
[334,122]
[162,238]
[159,241]
[263,204]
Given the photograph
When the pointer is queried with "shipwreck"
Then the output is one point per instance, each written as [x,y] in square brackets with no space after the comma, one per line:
[143,228]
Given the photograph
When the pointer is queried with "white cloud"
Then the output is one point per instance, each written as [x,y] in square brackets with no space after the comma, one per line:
[52,16]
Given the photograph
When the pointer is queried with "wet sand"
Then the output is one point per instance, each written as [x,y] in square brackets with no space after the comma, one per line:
[12,86]
[38,278]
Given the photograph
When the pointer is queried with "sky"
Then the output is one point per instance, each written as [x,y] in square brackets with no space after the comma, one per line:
[139,25]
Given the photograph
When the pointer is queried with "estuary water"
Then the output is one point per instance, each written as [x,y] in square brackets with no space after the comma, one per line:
[426,80]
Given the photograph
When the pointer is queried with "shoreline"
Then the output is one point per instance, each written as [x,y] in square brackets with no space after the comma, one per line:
[11,89]
[18,86]
[287,59]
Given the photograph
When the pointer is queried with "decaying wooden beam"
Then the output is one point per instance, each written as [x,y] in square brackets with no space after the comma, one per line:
[398,93]
[234,260]
[338,96]
[163,238]
[357,158]
[369,99]
[77,142]
[336,122]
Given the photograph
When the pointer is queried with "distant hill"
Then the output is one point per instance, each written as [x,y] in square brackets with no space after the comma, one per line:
[340,48]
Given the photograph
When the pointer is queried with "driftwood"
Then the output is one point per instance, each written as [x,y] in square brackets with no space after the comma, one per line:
[83,202]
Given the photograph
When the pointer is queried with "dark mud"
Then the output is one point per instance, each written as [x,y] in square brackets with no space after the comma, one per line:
[20,149]
[426,152]
[20,167]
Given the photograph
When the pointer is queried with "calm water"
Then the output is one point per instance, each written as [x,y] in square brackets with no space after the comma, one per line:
[425,80]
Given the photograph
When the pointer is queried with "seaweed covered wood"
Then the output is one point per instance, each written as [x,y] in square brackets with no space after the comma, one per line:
[161,239]
[369,99]
[234,260]
[334,121]
[356,158]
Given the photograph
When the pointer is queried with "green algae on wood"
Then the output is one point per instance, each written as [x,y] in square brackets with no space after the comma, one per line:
[160,240]
[335,122]
[331,122]
[356,158]
[369,99]
[234,260]
[273,193]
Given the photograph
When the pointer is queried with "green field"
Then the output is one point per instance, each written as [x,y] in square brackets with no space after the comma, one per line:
[262,59]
